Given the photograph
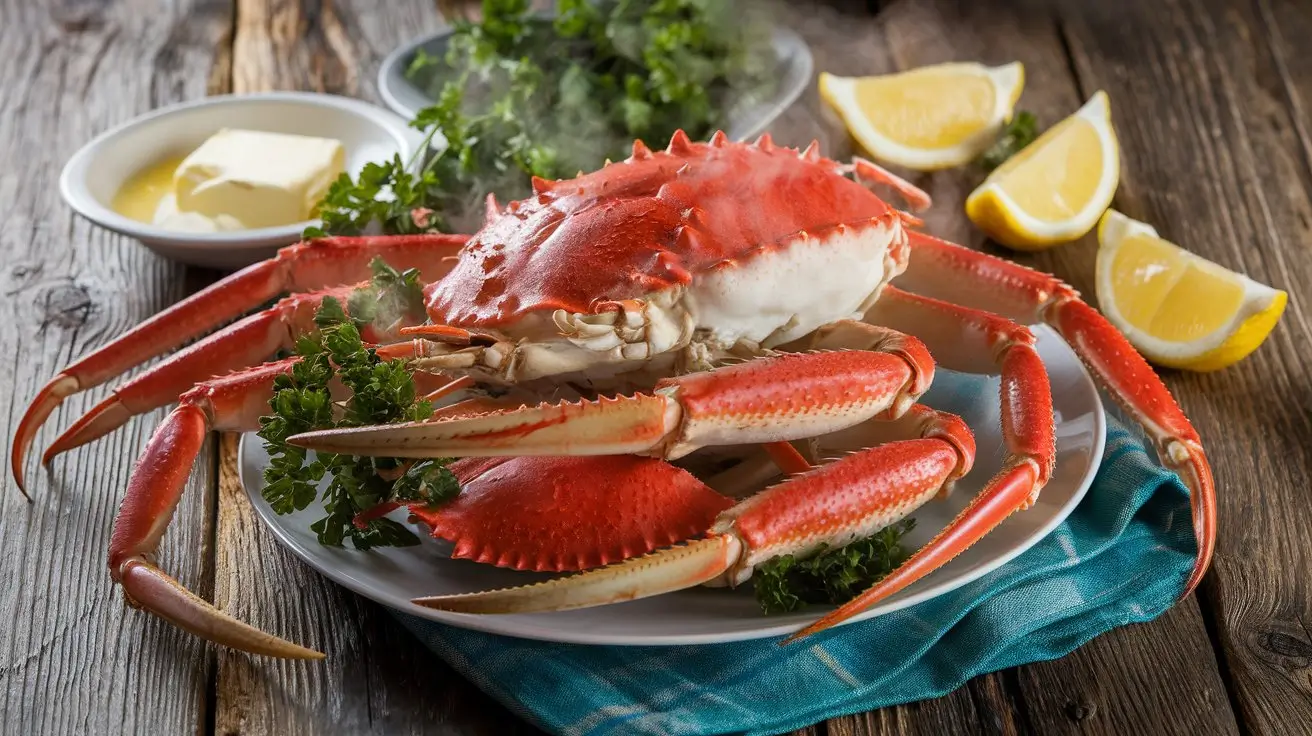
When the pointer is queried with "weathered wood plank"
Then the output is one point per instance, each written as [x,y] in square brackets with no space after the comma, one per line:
[910,34]
[1202,96]
[73,657]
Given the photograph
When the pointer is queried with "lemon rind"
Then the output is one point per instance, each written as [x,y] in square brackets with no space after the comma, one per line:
[991,201]
[1008,81]
[1256,317]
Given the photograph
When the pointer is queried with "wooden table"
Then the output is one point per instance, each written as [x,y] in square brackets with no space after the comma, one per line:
[1210,102]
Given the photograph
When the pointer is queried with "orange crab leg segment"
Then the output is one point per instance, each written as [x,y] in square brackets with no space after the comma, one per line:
[831,505]
[247,342]
[302,267]
[948,271]
[232,402]
[971,340]
[766,400]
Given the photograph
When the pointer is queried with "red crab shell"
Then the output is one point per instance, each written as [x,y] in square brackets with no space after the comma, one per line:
[554,514]
[643,225]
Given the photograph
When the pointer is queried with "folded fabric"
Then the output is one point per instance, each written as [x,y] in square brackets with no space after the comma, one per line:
[1122,556]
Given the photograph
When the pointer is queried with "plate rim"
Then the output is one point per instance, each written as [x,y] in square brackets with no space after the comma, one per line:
[519,629]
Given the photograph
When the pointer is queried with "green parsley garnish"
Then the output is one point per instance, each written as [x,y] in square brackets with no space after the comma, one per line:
[520,94]
[381,392]
[1020,132]
[834,576]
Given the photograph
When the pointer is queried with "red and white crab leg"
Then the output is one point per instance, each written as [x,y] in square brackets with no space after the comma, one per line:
[977,342]
[245,343]
[305,266]
[947,271]
[830,505]
[233,402]
[782,397]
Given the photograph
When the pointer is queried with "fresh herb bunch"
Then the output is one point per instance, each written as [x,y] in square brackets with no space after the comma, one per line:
[835,576]
[381,392]
[1020,132]
[520,94]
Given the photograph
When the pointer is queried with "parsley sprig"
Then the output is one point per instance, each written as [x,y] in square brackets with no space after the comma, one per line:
[382,391]
[519,94]
[835,576]
[1020,132]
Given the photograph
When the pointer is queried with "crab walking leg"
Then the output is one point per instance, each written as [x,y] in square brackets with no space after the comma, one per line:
[783,397]
[948,271]
[830,505]
[244,343]
[306,266]
[978,342]
[232,402]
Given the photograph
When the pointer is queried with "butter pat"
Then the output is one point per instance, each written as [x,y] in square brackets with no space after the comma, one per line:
[258,179]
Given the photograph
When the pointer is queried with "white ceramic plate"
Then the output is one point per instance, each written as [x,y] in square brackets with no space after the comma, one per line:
[704,615]
[96,172]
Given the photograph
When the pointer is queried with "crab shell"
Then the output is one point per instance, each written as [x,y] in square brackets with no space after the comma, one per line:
[686,252]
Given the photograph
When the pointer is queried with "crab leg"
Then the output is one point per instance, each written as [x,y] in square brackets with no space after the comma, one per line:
[305,266]
[947,271]
[831,505]
[978,342]
[232,402]
[782,397]
[247,342]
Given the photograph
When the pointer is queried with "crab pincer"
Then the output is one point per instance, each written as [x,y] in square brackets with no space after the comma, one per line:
[828,506]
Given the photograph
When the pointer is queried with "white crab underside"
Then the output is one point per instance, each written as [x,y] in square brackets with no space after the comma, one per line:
[736,309]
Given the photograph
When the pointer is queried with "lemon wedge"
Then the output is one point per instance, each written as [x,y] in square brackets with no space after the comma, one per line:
[1178,309]
[929,118]
[1055,189]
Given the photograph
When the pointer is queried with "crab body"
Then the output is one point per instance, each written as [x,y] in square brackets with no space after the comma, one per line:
[674,256]
[736,297]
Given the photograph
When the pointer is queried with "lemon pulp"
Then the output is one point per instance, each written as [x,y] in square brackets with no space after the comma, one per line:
[1056,181]
[1170,297]
[931,108]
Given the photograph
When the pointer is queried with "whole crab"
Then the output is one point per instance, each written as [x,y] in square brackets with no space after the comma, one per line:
[710,294]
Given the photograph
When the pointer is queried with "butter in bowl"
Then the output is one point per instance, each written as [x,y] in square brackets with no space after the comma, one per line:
[236,180]
[225,181]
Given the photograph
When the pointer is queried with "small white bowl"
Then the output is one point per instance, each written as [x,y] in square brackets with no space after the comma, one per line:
[95,173]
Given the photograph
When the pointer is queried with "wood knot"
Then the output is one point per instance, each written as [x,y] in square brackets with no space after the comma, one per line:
[1081,711]
[78,17]
[67,305]
[1297,652]
[23,275]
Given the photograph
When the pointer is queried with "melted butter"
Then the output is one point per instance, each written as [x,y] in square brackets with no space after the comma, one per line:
[140,195]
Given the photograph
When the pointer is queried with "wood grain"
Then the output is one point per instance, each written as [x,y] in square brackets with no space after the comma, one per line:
[73,657]
[1221,167]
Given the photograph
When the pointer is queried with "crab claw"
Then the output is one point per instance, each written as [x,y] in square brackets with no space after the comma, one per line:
[666,571]
[829,506]
[569,513]
[783,397]
[232,402]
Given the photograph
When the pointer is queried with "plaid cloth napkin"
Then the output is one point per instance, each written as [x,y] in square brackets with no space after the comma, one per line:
[1121,557]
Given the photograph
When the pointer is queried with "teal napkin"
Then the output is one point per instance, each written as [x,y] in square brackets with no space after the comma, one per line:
[1121,557]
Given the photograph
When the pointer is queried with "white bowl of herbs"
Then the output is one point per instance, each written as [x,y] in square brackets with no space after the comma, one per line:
[520,94]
